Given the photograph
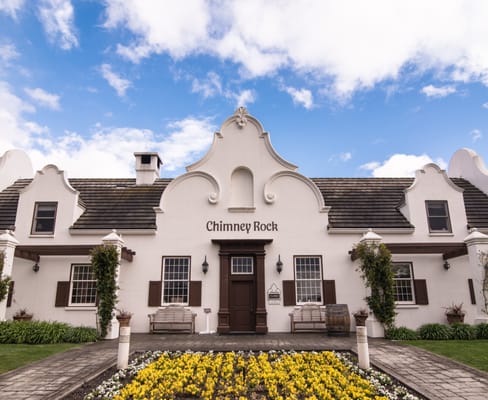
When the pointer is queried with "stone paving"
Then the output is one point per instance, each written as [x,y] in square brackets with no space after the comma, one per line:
[432,376]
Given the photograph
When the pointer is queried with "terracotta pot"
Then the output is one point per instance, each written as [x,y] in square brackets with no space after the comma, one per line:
[454,318]
[360,319]
[25,317]
[123,320]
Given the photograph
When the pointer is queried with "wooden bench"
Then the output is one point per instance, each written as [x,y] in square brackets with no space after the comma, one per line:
[308,318]
[172,318]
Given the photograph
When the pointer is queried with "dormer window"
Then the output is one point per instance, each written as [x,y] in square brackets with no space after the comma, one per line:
[438,216]
[44,218]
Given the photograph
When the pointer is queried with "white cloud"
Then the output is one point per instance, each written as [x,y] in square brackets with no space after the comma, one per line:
[485,105]
[160,26]
[186,140]
[57,18]
[110,147]
[476,135]
[244,98]
[11,7]
[14,127]
[118,83]
[345,156]
[8,52]
[212,86]
[303,97]
[437,92]
[380,40]
[400,165]
[208,87]
[44,98]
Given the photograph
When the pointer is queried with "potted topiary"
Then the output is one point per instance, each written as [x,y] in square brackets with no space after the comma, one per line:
[455,313]
[360,317]
[22,315]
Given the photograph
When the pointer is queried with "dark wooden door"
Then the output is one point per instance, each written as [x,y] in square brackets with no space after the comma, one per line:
[242,305]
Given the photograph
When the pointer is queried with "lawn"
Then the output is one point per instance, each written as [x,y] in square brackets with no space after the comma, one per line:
[470,352]
[15,355]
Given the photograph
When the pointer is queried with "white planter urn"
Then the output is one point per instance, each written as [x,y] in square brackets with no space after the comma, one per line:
[374,327]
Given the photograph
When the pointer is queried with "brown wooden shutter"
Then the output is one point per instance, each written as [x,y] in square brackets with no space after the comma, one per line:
[289,297]
[62,294]
[195,299]
[420,287]
[10,293]
[329,292]
[154,298]
[471,291]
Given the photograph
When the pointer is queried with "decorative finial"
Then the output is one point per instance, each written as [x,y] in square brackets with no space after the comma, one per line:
[241,120]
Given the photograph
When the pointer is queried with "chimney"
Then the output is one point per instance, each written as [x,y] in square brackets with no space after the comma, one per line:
[147,168]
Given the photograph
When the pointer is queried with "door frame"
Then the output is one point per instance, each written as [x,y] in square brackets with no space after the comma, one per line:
[229,248]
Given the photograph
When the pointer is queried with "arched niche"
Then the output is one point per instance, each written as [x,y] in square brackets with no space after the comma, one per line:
[242,189]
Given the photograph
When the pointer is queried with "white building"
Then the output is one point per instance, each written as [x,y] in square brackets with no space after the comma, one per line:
[246,212]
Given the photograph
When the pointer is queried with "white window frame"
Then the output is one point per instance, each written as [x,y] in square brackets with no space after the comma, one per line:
[319,279]
[237,268]
[36,217]
[431,217]
[90,282]
[408,282]
[186,281]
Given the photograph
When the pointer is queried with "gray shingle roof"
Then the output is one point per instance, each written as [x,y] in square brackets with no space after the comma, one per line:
[109,203]
[355,203]
[364,202]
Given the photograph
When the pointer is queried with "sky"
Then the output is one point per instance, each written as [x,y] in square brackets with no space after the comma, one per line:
[344,88]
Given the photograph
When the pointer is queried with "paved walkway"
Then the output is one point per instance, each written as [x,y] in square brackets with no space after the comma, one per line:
[432,376]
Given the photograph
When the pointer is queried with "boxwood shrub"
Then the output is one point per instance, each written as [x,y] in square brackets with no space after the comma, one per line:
[43,332]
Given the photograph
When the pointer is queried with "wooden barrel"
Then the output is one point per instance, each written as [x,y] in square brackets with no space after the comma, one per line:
[338,321]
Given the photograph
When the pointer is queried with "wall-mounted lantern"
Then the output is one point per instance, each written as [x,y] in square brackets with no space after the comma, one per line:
[36,267]
[446,265]
[205,265]
[279,265]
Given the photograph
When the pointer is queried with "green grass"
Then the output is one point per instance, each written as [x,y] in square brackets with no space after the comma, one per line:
[470,352]
[15,355]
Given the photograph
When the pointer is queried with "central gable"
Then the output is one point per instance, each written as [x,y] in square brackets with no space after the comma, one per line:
[243,173]
[242,142]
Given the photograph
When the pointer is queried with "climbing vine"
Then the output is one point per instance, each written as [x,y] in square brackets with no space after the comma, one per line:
[484,264]
[4,280]
[376,271]
[104,260]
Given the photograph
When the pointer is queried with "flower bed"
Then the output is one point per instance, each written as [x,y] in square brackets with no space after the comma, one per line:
[247,375]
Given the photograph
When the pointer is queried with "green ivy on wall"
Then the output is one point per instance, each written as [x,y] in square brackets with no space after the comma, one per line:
[4,280]
[483,255]
[104,260]
[376,271]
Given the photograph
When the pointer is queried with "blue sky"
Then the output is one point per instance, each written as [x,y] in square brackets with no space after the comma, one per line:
[349,88]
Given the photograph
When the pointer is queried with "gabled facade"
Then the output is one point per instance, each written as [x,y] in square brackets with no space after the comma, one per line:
[242,237]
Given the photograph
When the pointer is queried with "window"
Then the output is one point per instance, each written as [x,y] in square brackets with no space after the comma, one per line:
[242,265]
[403,282]
[83,285]
[44,218]
[308,279]
[176,272]
[438,216]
